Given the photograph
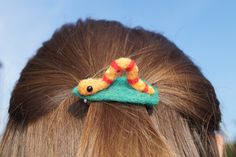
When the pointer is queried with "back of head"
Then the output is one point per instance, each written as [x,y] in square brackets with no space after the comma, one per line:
[45,119]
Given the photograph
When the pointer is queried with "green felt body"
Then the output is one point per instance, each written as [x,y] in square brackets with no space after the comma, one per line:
[121,91]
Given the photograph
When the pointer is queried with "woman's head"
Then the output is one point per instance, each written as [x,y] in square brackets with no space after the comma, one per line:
[45,119]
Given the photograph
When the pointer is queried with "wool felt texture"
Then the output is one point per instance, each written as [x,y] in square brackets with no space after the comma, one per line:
[122,64]
[121,91]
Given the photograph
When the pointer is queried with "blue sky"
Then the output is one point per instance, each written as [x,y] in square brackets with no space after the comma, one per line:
[204,30]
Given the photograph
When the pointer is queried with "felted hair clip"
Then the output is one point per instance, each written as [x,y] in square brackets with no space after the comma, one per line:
[128,89]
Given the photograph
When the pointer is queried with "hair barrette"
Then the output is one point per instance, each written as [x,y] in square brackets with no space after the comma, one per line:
[127,89]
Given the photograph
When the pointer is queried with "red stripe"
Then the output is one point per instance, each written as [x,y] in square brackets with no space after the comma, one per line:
[130,66]
[133,81]
[107,80]
[146,88]
[115,66]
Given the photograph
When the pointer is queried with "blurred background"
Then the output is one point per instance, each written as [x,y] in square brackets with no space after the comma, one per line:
[204,30]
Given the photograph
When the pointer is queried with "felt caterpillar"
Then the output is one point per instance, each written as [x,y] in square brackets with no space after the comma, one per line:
[91,86]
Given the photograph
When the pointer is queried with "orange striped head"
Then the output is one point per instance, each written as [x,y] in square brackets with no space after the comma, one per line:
[89,86]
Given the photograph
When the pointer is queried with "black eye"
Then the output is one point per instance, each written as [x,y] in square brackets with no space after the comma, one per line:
[89,88]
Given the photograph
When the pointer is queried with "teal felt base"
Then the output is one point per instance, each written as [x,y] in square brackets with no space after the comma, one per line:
[121,91]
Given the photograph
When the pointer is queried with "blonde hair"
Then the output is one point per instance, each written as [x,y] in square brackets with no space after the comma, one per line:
[45,119]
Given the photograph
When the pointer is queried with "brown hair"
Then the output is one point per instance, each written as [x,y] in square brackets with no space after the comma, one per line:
[45,119]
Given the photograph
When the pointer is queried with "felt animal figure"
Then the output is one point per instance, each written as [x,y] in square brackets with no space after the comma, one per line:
[91,86]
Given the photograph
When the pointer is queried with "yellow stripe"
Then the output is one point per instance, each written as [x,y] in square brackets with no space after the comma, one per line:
[133,73]
[123,62]
[110,73]
[139,85]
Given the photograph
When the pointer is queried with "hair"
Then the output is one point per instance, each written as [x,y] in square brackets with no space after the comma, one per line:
[45,119]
